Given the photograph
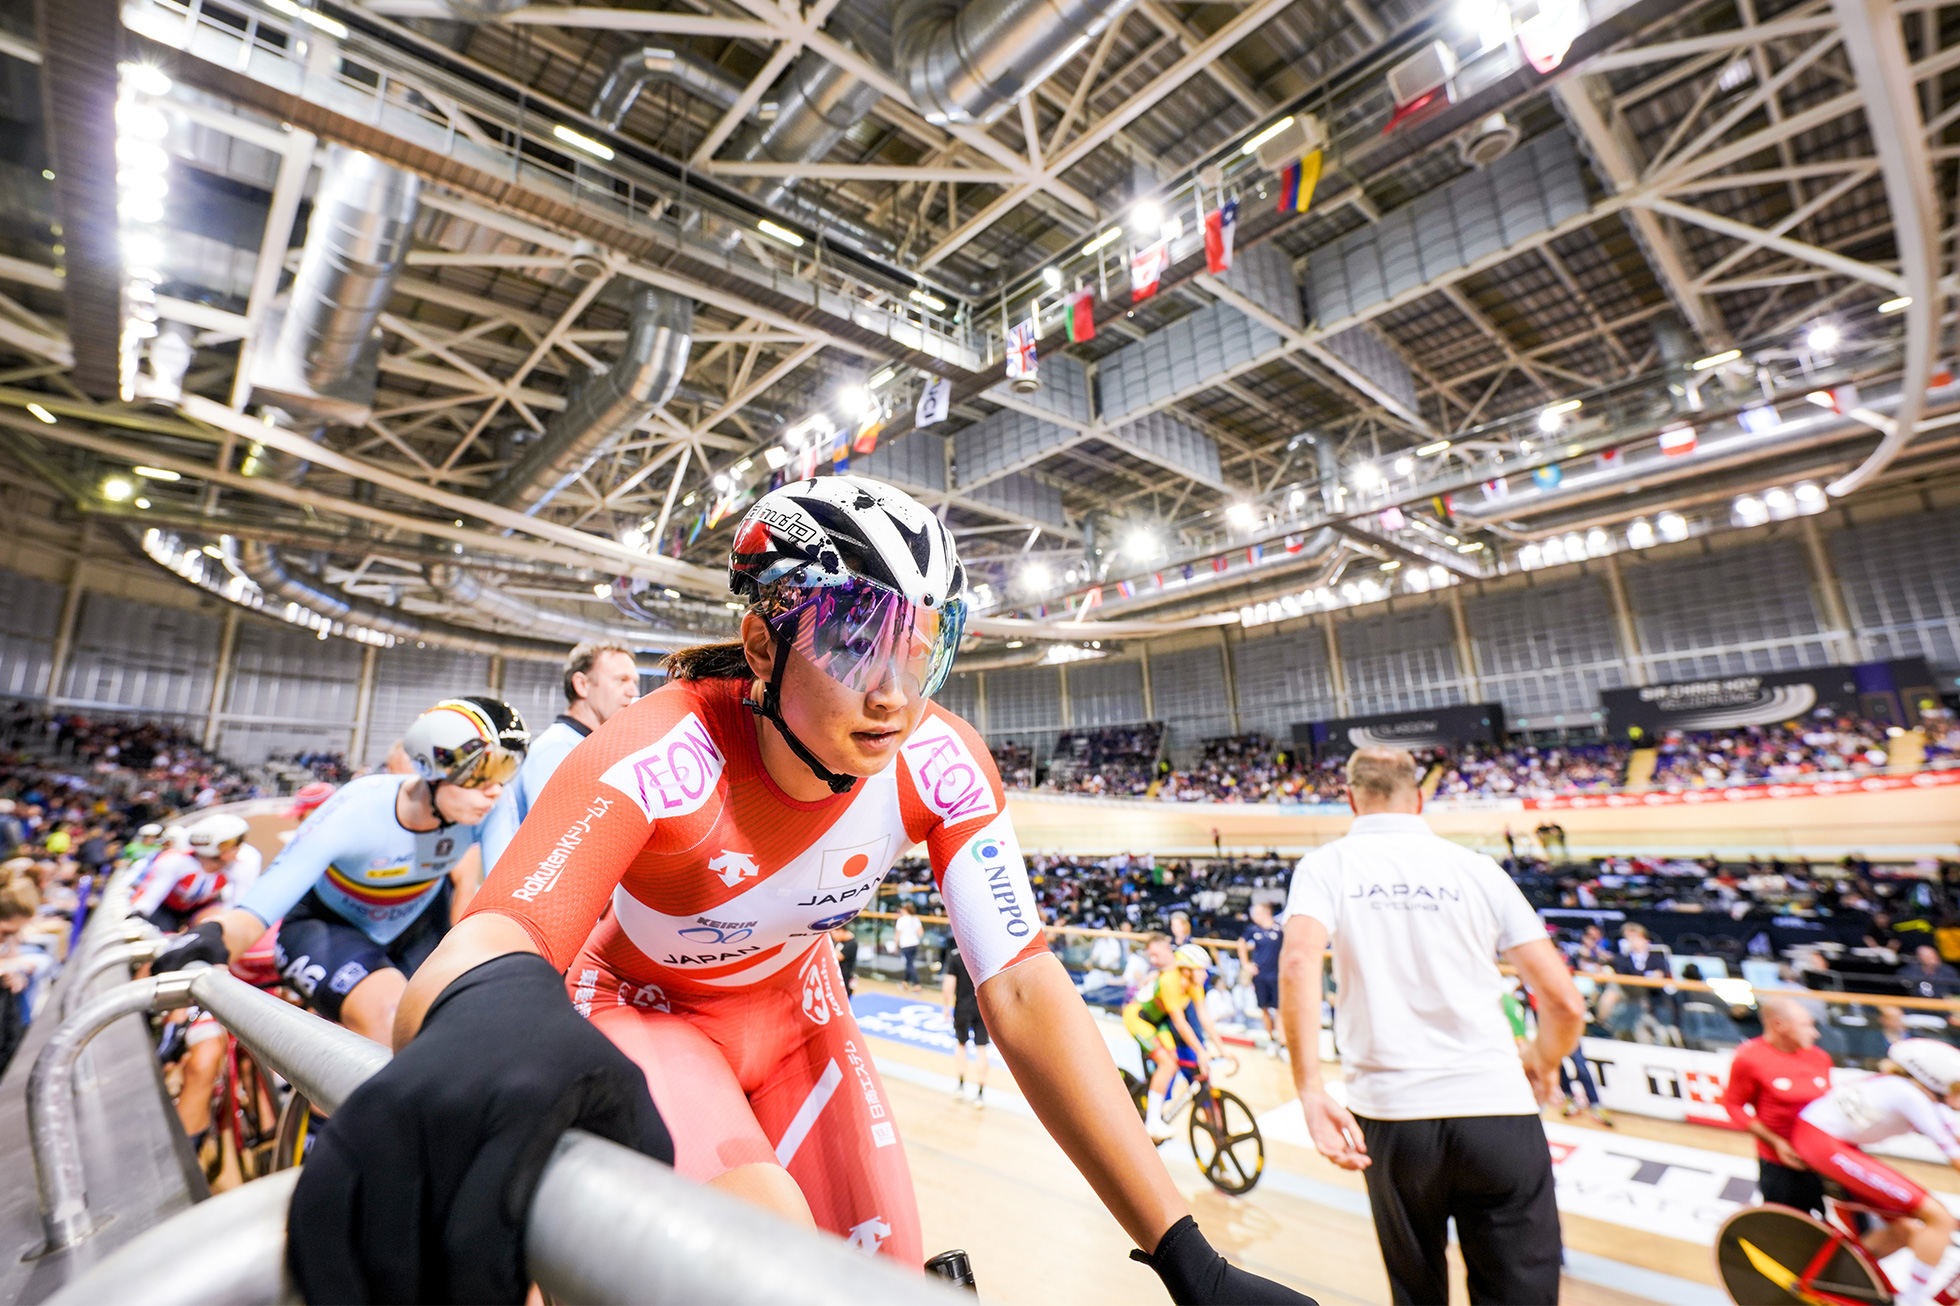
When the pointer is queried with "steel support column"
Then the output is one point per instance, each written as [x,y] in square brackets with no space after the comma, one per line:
[1631,651]
[1847,644]
[363,705]
[221,681]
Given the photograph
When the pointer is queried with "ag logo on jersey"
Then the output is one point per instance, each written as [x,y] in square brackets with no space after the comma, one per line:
[949,781]
[672,776]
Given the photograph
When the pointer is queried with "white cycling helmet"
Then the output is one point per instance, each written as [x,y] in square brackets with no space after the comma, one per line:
[209,836]
[150,831]
[176,838]
[467,741]
[1192,957]
[1934,1064]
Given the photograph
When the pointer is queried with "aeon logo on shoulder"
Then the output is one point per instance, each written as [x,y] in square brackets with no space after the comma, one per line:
[949,781]
[672,776]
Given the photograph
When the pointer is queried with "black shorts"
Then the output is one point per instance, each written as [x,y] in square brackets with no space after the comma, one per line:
[968,1027]
[171,921]
[1801,1189]
[1265,989]
[323,956]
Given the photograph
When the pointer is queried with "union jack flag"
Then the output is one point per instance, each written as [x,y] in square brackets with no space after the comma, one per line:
[1021,360]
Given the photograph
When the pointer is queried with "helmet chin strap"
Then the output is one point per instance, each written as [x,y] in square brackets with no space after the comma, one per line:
[770,709]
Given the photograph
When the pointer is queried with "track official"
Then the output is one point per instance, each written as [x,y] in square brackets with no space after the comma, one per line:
[1442,1107]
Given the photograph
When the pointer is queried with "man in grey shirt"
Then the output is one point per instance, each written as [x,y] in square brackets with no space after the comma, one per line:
[1442,1103]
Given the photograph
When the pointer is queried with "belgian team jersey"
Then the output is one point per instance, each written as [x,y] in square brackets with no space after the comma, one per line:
[718,879]
[358,859]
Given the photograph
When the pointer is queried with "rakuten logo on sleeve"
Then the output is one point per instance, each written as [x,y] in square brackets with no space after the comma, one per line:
[989,899]
[673,776]
[949,781]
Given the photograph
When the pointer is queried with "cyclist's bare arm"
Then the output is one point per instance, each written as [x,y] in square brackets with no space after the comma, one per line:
[1061,1064]
[465,878]
[1561,1011]
[1182,1024]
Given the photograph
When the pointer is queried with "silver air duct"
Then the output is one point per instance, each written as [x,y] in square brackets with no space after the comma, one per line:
[970,62]
[324,345]
[633,70]
[606,407]
[261,564]
[464,589]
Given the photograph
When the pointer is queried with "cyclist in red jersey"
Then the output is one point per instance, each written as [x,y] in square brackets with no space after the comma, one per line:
[685,866]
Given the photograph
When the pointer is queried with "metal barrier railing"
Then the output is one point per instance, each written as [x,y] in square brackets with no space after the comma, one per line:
[608,1224]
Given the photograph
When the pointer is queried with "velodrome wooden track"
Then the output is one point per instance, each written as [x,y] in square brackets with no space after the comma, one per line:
[1901,822]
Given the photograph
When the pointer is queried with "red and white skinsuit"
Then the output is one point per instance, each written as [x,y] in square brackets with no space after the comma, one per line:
[690,900]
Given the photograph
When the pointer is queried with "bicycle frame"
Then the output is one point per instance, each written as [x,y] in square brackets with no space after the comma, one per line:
[1838,1218]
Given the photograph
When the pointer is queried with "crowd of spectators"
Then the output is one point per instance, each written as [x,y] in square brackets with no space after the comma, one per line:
[334,768]
[1252,768]
[73,791]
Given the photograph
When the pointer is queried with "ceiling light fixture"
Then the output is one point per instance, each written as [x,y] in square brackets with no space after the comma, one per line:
[933,302]
[147,473]
[1715,360]
[1104,239]
[1434,448]
[579,141]
[790,238]
[1052,277]
[1252,146]
[1823,337]
[1899,305]
[48,417]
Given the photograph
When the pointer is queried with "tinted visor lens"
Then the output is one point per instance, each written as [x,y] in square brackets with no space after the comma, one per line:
[492,766]
[863,635]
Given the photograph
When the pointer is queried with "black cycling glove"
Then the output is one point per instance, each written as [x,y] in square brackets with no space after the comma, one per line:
[419,1187]
[205,943]
[1195,1275]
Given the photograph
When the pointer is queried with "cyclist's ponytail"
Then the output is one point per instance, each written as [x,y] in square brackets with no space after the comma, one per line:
[709,662]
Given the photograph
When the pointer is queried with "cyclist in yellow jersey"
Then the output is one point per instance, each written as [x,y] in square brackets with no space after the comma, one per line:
[1160,1020]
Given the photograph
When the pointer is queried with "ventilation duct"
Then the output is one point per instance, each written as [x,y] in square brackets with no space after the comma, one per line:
[261,564]
[970,62]
[634,70]
[325,344]
[606,407]
[465,589]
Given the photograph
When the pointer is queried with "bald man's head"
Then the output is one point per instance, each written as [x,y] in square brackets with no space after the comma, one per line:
[1382,779]
[1787,1024]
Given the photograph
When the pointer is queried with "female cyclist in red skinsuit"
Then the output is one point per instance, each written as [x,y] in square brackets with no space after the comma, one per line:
[686,863]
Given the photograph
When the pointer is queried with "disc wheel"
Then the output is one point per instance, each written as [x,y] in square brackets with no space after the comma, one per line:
[1769,1256]
[1226,1140]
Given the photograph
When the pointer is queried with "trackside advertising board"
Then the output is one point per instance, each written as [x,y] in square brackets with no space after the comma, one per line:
[1888,692]
[1431,727]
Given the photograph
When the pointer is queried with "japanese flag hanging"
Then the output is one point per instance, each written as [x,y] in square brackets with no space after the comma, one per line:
[1221,224]
[1147,267]
[934,400]
[1022,364]
[1678,440]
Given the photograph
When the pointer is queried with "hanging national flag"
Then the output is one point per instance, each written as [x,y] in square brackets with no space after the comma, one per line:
[1092,598]
[1147,267]
[1610,460]
[1297,182]
[1126,589]
[1022,364]
[866,439]
[1760,420]
[1548,476]
[1221,224]
[1159,577]
[1255,555]
[1445,509]
[1081,316]
[840,460]
[1220,563]
[1295,543]
[1189,571]
[1497,489]
[695,532]
[934,401]
[1678,440]
[1392,519]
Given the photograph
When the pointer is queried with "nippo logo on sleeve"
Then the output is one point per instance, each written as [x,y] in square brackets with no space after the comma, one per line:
[949,781]
[672,776]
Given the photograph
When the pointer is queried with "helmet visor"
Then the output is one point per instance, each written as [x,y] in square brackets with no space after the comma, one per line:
[862,634]
[488,765]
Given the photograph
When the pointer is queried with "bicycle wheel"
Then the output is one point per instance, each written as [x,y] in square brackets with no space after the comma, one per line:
[298,1122]
[1767,1256]
[1226,1140]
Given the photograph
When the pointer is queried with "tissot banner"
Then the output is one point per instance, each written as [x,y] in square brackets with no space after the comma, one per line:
[1880,691]
[1433,727]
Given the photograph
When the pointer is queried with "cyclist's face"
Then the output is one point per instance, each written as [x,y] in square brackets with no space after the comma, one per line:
[1160,955]
[852,732]
[460,806]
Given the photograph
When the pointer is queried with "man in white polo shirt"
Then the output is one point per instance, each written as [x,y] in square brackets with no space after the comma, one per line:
[1442,1105]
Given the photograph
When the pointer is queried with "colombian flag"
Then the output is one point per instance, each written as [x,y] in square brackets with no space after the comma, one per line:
[1297,182]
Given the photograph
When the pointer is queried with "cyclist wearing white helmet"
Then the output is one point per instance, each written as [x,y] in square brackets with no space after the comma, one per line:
[1920,1077]
[680,875]
[177,886]
[147,840]
[364,887]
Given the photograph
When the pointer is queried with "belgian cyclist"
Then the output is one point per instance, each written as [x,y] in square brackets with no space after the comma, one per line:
[364,887]
[1918,1076]
[601,679]
[177,886]
[1160,1020]
[683,870]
